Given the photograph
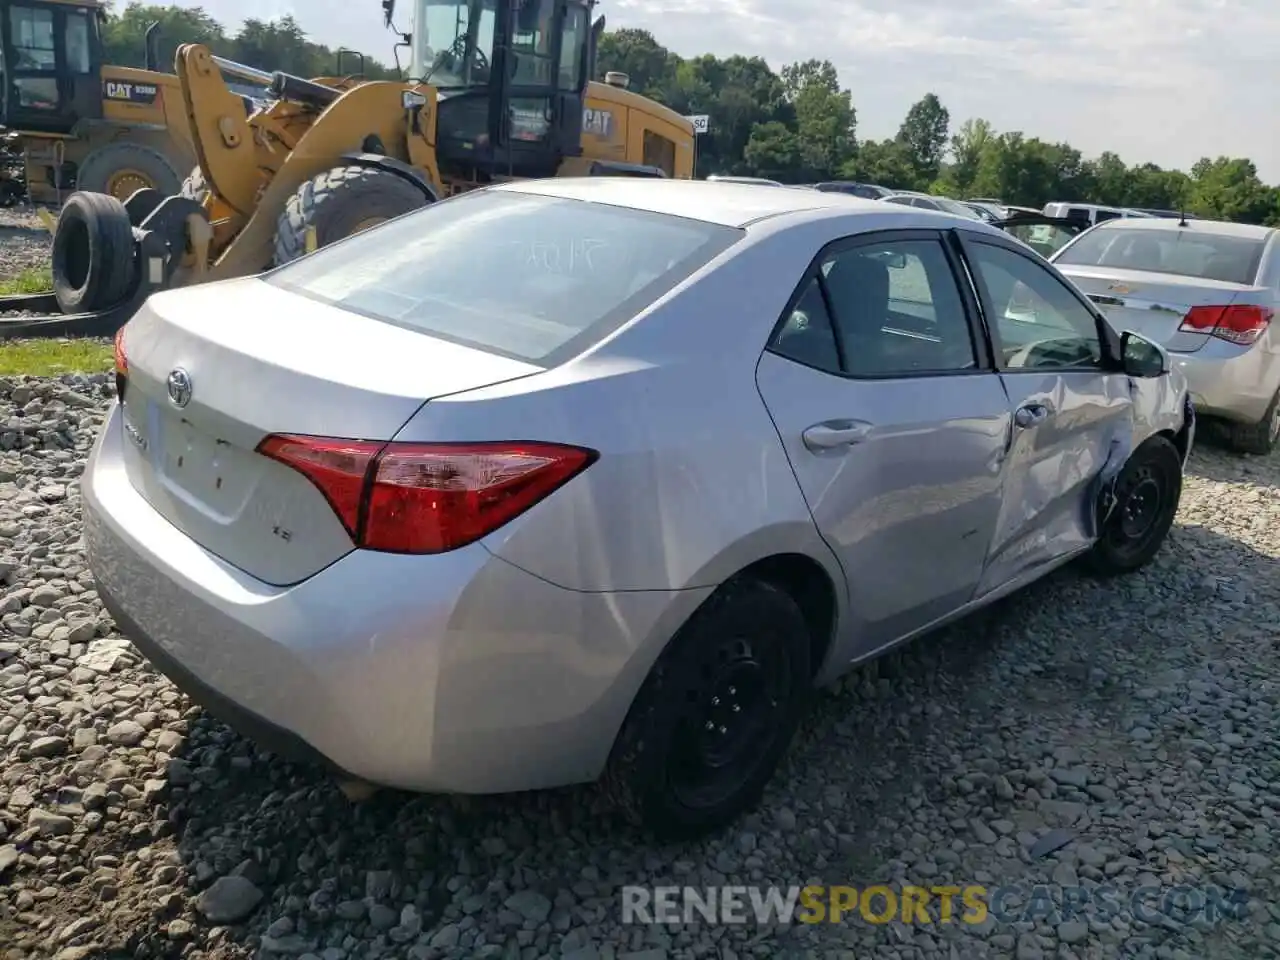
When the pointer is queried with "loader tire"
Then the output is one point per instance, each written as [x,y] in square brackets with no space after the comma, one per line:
[339,203]
[120,169]
[194,187]
[93,258]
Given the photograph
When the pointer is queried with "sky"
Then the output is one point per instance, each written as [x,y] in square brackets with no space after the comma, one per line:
[1161,81]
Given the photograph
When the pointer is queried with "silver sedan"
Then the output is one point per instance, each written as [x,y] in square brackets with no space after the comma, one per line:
[1208,291]
[600,478]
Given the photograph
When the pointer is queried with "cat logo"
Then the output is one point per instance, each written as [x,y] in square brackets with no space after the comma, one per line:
[598,123]
[122,92]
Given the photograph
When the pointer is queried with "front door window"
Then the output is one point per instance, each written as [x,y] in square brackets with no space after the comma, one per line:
[35,68]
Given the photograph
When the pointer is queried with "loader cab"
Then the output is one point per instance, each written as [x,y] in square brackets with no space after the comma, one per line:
[510,75]
[50,64]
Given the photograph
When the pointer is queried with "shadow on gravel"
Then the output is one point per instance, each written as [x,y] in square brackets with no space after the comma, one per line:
[1052,650]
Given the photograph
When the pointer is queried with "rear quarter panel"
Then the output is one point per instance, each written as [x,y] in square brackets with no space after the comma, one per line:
[692,483]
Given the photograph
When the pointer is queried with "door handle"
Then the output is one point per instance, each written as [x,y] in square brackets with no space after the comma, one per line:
[1030,414]
[835,433]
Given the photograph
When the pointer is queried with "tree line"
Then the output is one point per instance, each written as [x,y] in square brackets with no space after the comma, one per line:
[798,125]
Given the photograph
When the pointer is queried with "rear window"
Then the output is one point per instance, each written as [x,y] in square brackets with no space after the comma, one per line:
[1178,251]
[533,278]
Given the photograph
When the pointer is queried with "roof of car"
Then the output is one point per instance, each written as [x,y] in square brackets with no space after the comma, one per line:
[726,203]
[1222,228]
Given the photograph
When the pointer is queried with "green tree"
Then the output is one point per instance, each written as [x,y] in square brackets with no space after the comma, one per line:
[924,136]
[884,162]
[825,120]
[966,154]
[1228,188]
[773,150]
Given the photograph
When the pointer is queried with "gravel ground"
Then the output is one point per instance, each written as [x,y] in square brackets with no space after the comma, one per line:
[26,242]
[1078,733]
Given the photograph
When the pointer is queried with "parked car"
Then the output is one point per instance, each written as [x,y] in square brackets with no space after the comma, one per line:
[990,201]
[760,181]
[985,212]
[868,191]
[1044,235]
[1209,292]
[1090,213]
[701,451]
[926,202]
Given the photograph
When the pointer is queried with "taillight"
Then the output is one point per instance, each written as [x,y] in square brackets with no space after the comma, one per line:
[427,497]
[121,363]
[1239,323]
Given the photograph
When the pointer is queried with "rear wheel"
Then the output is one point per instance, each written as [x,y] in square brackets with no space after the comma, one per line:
[715,715]
[341,202]
[1147,493]
[121,169]
[1260,437]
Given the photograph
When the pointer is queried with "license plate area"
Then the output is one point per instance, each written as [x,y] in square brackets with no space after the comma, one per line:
[194,465]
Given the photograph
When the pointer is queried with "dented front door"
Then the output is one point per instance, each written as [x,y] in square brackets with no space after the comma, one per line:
[1072,412]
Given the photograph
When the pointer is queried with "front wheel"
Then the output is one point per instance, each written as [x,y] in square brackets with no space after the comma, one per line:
[715,715]
[1147,493]
[338,203]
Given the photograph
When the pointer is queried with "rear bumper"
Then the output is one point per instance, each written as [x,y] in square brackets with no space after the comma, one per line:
[1228,382]
[455,673]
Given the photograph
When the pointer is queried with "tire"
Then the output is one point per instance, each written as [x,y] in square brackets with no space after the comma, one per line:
[93,258]
[337,202]
[1260,437]
[133,161]
[666,739]
[1129,540]
[194,187]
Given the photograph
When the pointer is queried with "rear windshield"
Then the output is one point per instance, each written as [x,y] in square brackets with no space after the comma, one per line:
[1185,253]
[533,278]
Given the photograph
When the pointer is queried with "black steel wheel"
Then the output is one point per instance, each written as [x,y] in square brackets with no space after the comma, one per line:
[715,715]
[1146,497]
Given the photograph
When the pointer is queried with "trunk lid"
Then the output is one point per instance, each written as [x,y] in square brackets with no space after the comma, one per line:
[260,360]
[1154,304]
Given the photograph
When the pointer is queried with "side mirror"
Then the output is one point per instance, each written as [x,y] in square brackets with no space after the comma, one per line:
[1142,358]
[388,12]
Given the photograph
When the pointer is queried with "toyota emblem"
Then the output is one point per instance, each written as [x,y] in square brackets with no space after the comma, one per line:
[180,387]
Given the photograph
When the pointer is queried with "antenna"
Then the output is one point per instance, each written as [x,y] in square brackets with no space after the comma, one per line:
[1182,215]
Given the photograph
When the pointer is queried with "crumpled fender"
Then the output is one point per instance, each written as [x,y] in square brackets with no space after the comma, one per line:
[1102,499]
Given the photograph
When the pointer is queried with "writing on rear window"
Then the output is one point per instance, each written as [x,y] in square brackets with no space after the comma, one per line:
[571,256]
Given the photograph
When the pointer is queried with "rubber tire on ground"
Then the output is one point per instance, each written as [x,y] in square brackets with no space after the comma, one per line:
[194,187]
[93,256]
[96,171]
[1106,559]
[636,777]
[335,201]
[1255,437]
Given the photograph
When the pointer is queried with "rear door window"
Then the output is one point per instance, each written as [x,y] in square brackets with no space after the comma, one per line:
[535,278]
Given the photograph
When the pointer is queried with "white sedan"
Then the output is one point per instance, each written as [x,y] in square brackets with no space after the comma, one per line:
[571,479]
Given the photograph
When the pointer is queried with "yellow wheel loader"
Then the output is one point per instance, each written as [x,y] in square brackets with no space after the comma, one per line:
[78,123]
[499,90]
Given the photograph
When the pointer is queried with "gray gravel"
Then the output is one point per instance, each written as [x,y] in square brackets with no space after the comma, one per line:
[26,242]
[1079,733]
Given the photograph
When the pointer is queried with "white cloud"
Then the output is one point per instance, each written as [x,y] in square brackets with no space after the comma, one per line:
[1165,81]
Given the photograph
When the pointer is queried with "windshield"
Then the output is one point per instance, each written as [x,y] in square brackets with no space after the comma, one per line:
[530,277]
[453,41]
[1177,250]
